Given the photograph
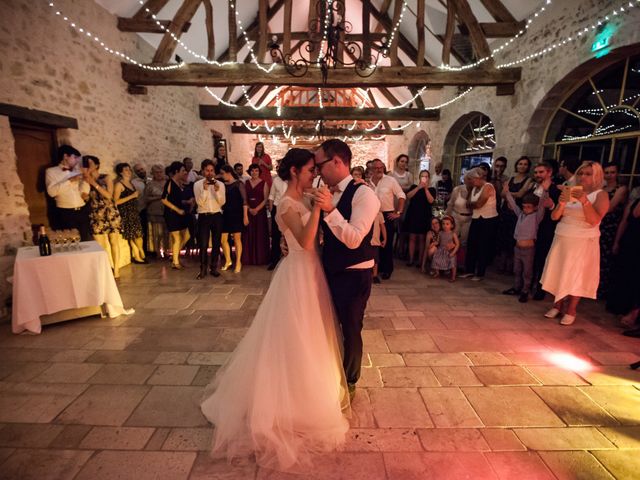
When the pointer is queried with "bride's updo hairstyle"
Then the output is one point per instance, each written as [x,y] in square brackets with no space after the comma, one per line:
[296,158]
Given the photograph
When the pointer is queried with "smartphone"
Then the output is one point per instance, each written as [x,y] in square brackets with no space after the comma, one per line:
[575,189]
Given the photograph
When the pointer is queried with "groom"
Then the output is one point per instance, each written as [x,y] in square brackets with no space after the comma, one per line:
[350,209]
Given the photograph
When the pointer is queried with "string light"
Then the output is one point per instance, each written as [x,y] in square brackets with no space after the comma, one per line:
[571,38]
[108,49]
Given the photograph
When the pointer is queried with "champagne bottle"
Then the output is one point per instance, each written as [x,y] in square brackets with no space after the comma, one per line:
[43,242]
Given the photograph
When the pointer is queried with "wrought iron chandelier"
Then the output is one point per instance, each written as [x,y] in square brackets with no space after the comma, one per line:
[327,44]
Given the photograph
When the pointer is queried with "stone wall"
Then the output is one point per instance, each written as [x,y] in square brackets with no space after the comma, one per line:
[518,123]
[47,65]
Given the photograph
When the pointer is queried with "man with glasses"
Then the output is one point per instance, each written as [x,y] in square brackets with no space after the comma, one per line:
[347,256]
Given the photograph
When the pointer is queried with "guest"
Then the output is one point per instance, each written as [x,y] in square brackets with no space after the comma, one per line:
[484,218]
[255,248]
[572,269]
[235,216]
[543,174]
[125,196]
[525,234]
[566,171]
[378,240]
[278,189]
[104,215]
[438,174]
[401,172]
[66,186]
[444,188]
[175,215]
[418,217]
[239,169]
[444,257]
[608,228]
[368,170]
[358,173]
[519,184]
[431,245]
[220,157]
[461,213]
[139,181]
[497,175]
[158,234]
[624,294]
[387,190]
[189,205]
[192,175]
[263,160]
[210,197]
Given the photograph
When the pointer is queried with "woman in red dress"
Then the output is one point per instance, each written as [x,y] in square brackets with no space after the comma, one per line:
[264,163]
[255,242]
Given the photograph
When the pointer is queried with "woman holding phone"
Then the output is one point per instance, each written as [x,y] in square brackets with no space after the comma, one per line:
[572,269]
[418,218]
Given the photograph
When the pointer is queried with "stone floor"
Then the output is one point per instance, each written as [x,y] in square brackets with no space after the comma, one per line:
[458,382]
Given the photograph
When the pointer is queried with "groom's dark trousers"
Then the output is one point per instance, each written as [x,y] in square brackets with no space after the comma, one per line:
[350,287]
[350,290]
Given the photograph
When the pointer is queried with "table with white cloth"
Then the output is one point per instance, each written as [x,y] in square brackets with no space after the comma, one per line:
[73,279]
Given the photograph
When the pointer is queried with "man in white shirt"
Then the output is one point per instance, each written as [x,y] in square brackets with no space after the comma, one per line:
[66,186]
[210,197]
[347,255]
[278,189]
[388,191]
[239,169]
[192,175]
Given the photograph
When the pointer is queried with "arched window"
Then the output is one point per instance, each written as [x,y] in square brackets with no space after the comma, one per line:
[474,143]
[600,120]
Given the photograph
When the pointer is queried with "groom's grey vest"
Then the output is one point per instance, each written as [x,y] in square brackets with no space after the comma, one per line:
[335,254]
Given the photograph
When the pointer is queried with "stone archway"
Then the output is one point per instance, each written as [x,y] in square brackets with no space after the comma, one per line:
[449,153]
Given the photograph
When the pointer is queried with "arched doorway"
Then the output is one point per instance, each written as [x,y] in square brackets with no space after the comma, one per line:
[419,153]
[470,141]
[600,120]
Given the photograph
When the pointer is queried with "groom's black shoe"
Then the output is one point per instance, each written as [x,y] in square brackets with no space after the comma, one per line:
[352,391]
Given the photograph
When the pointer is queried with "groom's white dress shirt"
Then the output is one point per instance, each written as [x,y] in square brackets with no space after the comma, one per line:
[364,209]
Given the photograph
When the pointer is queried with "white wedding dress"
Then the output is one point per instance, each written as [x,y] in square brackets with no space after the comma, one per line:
[282,394]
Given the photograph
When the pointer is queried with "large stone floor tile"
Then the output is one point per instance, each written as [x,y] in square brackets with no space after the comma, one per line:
[110,464]
[551,375]
[207,468]
[575,466]
[455,376]
[467,341]
[417,341]
[502,440]
[44,464]
[519,465]
[567,438]
[173,375]
[504,375]
[339,466]
[621,463]
[408,377]
[510,407]
[448,407]
[382,440]
[612,375]
[573,406]
[70,437]
[178,340]
[171,300]
[615,358]
[438,465]
[383,360]
[28,435]
[103,405]
[385,303]
[623,402]
[623,437]
[480,359]
[436,359]
[116,438]
[398,408]
[374,341]
[122,374]
[68,373]
[127,356]
[452,440]
[217,301]
[189,439]
[362,410]
[169,407]
[35,403]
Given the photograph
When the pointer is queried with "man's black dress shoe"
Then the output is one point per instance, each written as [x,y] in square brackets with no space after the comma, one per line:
[539,295]
[385,276]
[511,291]
[214,272]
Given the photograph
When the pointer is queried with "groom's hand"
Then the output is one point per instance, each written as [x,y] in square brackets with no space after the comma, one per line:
[323,198]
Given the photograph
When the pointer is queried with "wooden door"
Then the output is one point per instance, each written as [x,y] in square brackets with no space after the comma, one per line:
[34,150]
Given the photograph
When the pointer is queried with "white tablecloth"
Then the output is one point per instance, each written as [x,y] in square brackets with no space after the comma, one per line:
[70,279]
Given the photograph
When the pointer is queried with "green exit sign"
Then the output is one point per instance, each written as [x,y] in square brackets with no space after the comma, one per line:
[602,41]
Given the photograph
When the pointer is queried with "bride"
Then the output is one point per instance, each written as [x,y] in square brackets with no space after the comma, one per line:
[282,394]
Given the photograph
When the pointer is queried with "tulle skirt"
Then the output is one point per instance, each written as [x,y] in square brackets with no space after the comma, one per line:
[282,394]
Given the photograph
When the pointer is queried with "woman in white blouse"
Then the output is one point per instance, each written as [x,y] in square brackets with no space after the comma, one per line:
[401,172]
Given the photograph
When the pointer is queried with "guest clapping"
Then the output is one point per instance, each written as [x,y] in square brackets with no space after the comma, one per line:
[174,214]
[572,270]
[125,196]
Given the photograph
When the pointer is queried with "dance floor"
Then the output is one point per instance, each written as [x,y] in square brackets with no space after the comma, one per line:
[459,381]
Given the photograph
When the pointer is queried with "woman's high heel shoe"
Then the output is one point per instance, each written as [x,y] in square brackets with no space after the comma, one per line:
[177,266]
[238,267]
[226,266]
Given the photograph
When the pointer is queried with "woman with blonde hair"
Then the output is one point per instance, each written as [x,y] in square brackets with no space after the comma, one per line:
[572,269]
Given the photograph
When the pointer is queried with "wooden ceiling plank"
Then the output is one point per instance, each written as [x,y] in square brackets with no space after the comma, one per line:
[448,36]
[478,40]
[420,27]
[393,54]
[233,27]
[199,74]
[502,29]
[286,37]
[168,44]
[145,25]
[263,7]
[211,41]
[498,11]
[366,30]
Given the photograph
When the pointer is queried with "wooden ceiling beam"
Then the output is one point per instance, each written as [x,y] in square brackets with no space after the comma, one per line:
[448,36]
[467,17]
[168,43]
[498,11]
[312,132]
[420,28]
[502,29]
[211,41]
[233,27]
[145,25]
[223,112]
[263,23]
[199,74]
[153,7]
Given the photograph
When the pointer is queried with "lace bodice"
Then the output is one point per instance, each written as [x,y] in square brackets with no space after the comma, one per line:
[287,203]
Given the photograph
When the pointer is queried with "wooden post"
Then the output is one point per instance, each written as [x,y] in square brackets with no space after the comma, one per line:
[211,42]
[263,6]
[448,37]
[233,47]
[286,38]
[420,27]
